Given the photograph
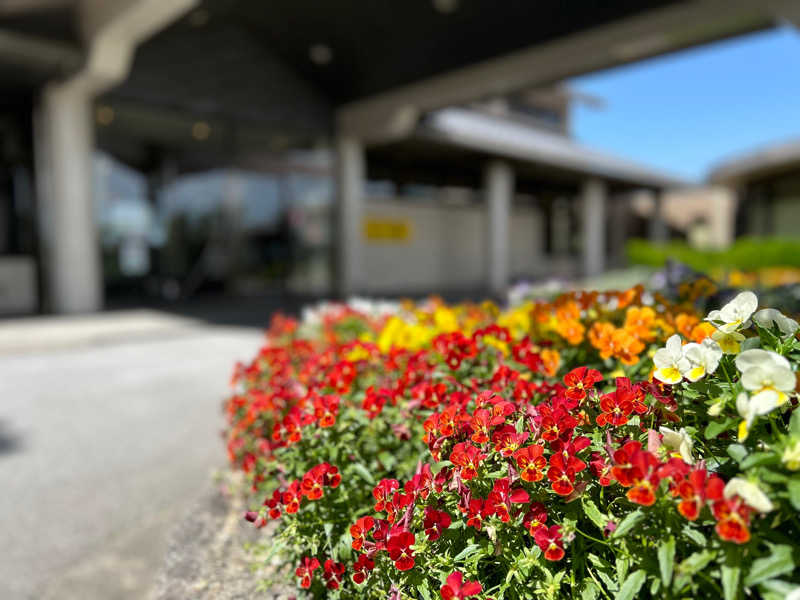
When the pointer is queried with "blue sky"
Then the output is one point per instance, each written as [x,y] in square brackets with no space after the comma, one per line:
[684,112]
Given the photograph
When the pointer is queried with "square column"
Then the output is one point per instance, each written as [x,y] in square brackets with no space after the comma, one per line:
[499,189]
[351,178]
[70,248]
[657,231]
[593,196]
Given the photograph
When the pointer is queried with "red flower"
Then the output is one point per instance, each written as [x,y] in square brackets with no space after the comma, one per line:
[306,571]
[383,492]
[535,518]
[317,478]
[531,462]
[361,568]
[399,547]
[359,531]
[694,490]
[477,511]
[291,497]
[579,381]
[549,540]
[507,440]
[622,470]
[333,573]
[644,478]
[561,479]
[435,522]
[325,410]
[502,496]
[555,423]
[732,514]
[468,458]
[374,401]
[601,469]
[481,421]
[455,587]
[419,484]
[399,503]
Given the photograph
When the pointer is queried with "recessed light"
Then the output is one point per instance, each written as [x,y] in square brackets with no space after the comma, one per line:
[320,54]
[201,130]
[445,7]
[104,114]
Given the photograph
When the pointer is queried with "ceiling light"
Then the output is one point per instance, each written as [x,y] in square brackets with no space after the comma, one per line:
[445,7]
[320,54]
[201,130]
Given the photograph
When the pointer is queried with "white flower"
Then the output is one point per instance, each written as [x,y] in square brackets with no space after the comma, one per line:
[729,342]
[735,314]
[703,358]
[670,362]
[749,409]
[768,317]
[716,409]
[794,594]
[749,492]
[679,441]
[791,456]
[767,375]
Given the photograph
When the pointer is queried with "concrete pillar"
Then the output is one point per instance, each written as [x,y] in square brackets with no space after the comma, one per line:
[499,189]
[657,231]
[351,179]
[70,251]
[593,196]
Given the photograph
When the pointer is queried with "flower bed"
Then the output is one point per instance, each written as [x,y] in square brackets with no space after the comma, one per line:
[598,446]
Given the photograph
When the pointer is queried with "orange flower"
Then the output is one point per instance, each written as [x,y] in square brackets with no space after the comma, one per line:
[600,336]
[571,330]
[628,297]
[685,323]
[551,360]
[640,322]
[701,331]
[626,347]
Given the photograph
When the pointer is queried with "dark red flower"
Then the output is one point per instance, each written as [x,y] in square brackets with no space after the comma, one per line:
[361,568]
[549,540]
[399,547]
[306,571]
[579,381]
[383,492]
[333,573]
[502,497]
[531,462]
[359,531]
[467,457]
[435,522]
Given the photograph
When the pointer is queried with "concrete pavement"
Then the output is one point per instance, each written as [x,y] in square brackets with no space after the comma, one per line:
[105,441]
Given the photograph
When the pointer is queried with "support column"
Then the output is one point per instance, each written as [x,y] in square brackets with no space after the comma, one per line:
[499,186]
[594,227]
[70,251]
[657,227]
[351,177]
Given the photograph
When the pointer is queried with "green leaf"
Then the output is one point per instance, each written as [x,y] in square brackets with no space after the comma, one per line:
[794,492]
[737,452]
[794,424]
[758,458]
[694,535]
[666,560]
[364,472]
[714,428]
[423,591]
[730,581]
[696,562]
[589,591]
[779,561]
[466,552]
[631,586]
[595,516]
[628,523]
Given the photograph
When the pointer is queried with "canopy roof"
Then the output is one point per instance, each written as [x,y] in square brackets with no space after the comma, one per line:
[761,163]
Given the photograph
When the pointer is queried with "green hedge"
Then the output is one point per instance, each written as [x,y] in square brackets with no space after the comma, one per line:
[748,254]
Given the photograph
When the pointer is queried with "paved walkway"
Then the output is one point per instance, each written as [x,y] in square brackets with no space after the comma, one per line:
[108,431]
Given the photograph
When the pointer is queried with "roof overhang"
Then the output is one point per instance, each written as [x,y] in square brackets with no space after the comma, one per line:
[762,163]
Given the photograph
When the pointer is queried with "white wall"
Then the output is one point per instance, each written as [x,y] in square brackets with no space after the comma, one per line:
[445,248]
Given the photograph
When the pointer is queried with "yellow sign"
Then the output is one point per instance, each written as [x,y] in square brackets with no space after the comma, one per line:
[386,230]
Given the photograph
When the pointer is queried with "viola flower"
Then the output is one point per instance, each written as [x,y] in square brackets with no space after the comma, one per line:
[678,441]
[383,493]
[502,497]
[333,573]
[435,522]
[399,547]
[616,407]
[325,410]
[468,458]
[273,504]
[531,463]
[361,568]
[703,359]
[535,518]
[419,484]
[766,375]
[735,315]
[670,362]
[694,490]
[481,421]
[549,540]
[359,531]
[732,515]
[579,381]
[374,401]
[291,497]
[306,571]
[644,478]
[507,440]
[750,493]
[555,423]
[768,318]
[457,588]
[623,470]
[477,511]
[561,479]
[400,502]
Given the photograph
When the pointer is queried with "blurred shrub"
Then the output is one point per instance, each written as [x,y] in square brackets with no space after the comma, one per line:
[749,254]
